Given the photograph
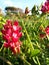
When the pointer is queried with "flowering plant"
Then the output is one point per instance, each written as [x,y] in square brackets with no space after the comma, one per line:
[45,7]
[11,34]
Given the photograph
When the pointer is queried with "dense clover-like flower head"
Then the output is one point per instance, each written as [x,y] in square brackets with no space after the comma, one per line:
[45,7]
[47,30]
[11,34]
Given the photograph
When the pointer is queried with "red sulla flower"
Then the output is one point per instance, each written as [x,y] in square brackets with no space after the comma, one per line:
[47,5]
[47,30]
[11,34]
[43,9]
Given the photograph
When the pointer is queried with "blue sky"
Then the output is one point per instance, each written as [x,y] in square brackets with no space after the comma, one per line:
[20,3]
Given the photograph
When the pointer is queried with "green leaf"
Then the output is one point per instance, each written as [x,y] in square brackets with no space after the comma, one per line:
[35,52]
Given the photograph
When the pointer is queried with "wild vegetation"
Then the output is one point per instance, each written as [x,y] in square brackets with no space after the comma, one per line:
[24,39]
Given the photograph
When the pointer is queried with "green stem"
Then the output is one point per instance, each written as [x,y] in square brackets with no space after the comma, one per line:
[30,44]
[1,48]
[26,62]
[5,60]
[4,54]
[38,60]
[28,36]
[22,58]
[34,60]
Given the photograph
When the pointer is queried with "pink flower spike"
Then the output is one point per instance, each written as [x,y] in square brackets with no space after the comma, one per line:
[47,30]
[11,34]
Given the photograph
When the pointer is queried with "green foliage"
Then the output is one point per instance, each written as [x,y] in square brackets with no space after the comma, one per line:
[34,52]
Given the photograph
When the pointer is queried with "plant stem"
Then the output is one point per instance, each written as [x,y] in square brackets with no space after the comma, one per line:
[38,60]
[1,48]
[27,63]
[28,36]
[22,58]
[5,60]
[30,44]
